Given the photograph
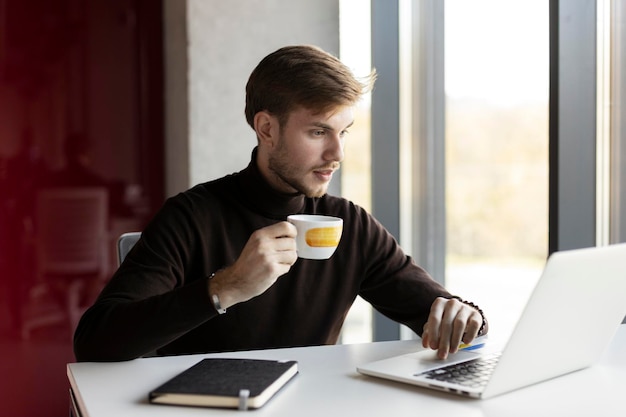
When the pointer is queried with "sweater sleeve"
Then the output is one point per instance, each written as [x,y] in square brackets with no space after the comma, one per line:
[158,294]
[394,284]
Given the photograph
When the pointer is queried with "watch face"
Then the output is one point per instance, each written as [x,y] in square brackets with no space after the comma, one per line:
[217,305]
[216,300]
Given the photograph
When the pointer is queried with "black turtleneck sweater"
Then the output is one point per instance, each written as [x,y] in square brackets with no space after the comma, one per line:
[158,298]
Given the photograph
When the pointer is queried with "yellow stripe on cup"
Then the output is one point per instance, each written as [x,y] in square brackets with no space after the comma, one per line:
[323,237]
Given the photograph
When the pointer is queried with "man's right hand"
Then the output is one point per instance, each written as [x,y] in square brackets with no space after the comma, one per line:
[269,253]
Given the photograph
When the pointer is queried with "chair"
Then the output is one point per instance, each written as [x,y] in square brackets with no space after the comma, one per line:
[71,253]
[125,243]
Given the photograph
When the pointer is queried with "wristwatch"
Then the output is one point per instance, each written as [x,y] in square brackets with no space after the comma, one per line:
[215,300]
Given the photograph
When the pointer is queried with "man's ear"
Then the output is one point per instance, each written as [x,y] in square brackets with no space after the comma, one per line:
[266,127]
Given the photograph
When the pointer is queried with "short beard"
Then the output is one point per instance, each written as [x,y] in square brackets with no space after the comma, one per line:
[282,171]
[286,174]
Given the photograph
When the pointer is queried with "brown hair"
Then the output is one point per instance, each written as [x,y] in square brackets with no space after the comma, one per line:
[301,76]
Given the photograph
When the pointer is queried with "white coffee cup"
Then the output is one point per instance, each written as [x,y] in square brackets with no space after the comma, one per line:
[318,235]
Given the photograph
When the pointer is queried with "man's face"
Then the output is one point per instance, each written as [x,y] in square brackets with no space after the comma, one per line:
[309,150]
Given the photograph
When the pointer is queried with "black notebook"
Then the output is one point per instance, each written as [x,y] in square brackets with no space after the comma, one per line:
[226,383]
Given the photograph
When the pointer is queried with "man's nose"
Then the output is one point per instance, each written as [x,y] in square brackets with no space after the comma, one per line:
[334,150]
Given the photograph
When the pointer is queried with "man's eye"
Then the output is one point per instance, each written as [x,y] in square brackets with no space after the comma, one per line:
[319,133]
[344,133]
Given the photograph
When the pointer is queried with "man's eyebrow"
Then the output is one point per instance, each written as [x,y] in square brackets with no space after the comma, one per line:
[328,127]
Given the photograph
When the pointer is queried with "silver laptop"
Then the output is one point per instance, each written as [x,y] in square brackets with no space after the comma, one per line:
[568,322]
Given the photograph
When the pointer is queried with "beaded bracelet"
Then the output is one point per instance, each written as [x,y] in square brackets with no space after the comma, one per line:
[475,307]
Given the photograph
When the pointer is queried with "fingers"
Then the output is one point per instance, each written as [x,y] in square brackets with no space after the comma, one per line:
[450,322]
[473,327]
[459,323]
[285,244]
[280,229]
[268,254]
[276,244]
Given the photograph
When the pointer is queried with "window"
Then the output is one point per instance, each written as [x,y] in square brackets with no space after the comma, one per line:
[496,159]
[356,168]
[502,158]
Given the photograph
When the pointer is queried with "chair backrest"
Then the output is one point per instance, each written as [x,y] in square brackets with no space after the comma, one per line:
[71,226]
[125,243]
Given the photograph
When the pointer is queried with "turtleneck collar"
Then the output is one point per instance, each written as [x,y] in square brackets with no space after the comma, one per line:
[259,195]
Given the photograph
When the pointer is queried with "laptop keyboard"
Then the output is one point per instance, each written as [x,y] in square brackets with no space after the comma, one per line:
[474,373]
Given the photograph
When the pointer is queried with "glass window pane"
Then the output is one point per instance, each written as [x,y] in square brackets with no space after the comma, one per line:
[497,85]
[356,168]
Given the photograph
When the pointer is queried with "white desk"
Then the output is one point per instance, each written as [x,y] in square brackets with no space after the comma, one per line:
[328,385]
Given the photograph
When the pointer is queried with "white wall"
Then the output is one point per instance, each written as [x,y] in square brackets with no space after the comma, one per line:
[219,44]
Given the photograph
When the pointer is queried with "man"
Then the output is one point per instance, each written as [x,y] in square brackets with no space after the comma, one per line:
[217,268]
